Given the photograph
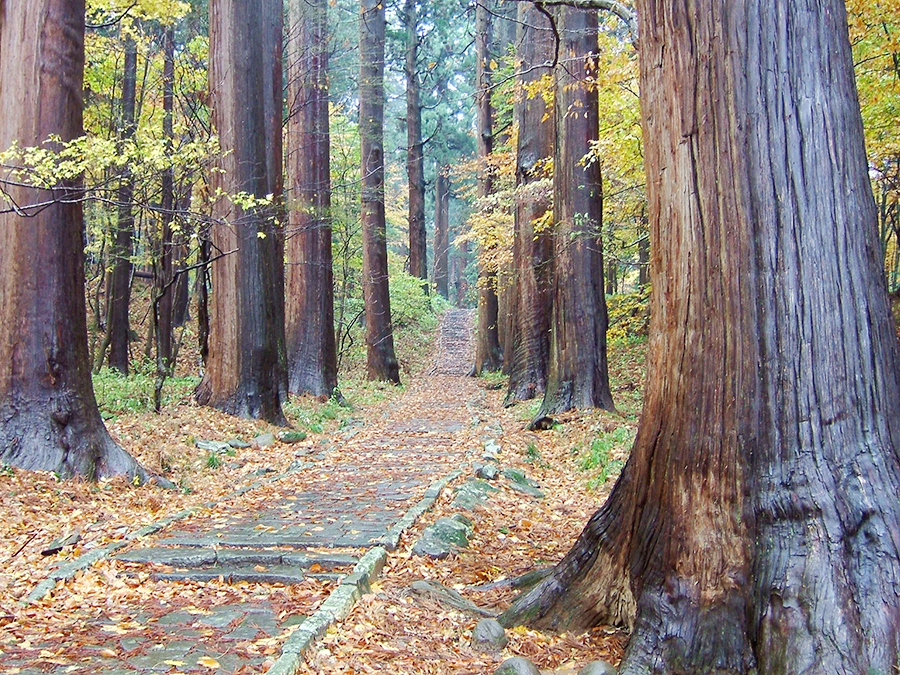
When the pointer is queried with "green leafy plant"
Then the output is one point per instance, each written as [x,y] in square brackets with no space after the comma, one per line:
[598,460]
[119,394]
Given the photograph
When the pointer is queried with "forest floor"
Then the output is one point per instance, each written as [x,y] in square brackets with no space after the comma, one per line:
[111,616]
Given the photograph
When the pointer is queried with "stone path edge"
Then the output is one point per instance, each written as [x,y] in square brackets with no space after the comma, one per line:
[341,600]
[68,571]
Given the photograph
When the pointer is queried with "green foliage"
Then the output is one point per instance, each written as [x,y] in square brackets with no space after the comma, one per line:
[875,37]
[213,461]
[598,460]
[127,395]
[316,416]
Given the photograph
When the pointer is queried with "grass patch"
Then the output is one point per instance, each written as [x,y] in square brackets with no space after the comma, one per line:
[119,394]
[599,459]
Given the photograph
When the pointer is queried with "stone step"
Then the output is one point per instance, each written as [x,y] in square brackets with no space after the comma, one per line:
[277,574]
[203,557]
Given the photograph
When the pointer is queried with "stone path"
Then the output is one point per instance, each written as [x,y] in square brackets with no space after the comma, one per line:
[294,540]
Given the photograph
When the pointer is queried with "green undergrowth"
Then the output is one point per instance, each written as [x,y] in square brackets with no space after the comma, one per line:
[602,458]
[132,394]
[341,409]
[415,317]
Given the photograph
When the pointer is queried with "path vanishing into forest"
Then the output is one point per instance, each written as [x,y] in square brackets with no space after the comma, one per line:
[246,585]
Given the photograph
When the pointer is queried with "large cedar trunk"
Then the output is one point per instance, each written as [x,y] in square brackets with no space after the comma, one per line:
[118,293]
[532,297]
[48,414]
[381,363]
[415,156]
[312,355]
[442,233]
[755,526]
[488,355]
[246,368]
[578,374]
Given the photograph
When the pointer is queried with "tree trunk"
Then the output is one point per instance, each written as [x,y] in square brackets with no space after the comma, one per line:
[381,361]
[312,356]
[246,371]
[165,291]
[118,294]
[754,528]
[532,293]
[461,284]
[415,157]
[488,355]
[163,278]
[48,414]
[578,375]
[442,233]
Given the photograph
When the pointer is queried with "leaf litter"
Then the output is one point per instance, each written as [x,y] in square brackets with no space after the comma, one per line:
[389,627]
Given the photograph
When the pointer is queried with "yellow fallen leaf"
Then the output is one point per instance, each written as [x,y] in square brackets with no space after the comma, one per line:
[208,661]
[174,662]
[108,653]
[118,630]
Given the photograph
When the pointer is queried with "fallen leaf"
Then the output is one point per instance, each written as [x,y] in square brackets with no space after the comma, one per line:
[208,662]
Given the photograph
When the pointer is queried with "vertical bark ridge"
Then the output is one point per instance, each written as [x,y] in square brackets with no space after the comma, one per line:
[578,373]
[311,344]
[246,369]
[529,353]
[382,362]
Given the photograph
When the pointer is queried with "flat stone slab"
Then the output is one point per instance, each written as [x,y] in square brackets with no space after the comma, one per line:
[176,557]
[205,557]
[273,575]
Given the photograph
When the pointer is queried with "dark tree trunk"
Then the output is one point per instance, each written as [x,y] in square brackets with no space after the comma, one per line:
[532,296]
[442,233]
[488,355]
[165,291]
[312,355]
[164,275]
[118,295]
[578,375]
[415,157]
[461,283]
[48,414]
[246,371]
[381,361]
[755,526]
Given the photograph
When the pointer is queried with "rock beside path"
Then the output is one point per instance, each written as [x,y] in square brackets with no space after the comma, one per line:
[517,666]
[489,637]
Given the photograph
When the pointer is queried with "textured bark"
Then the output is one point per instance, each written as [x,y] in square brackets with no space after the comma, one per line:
[755,526]
[48,414]
[488,355]
[312,355]
[381,360]
[165,265]
[118,292]
[441,233]
[461,283]
[246,368]
[415,156]
[578,374]
[532,297]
